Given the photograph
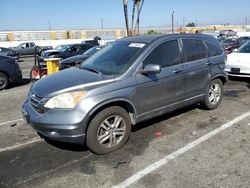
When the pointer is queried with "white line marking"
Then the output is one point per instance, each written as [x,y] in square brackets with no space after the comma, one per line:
[16,146]
[13,121]
[138,175]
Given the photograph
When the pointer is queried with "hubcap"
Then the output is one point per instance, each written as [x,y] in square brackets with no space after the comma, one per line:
[214,94]
[111,131]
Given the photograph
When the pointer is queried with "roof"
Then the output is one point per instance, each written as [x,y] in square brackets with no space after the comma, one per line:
[152,38]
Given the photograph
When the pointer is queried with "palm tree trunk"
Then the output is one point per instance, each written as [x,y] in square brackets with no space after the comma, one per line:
[125,6]
[139,8]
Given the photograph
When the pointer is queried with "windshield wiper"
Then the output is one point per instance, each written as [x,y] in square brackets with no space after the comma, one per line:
[92,70]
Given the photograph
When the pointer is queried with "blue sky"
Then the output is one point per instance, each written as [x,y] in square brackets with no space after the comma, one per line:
[81,14]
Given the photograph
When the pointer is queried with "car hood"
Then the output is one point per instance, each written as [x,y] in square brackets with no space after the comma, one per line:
[238,58]
[49,51]
[74,59]
[68,80]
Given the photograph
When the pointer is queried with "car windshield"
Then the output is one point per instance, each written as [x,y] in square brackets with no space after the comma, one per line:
[244,48]
[62,47]
[228,41]
[115,58]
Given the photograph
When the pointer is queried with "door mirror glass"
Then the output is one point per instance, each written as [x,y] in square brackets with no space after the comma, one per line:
[151,69]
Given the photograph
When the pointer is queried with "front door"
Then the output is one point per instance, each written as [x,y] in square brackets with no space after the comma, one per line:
[157,91]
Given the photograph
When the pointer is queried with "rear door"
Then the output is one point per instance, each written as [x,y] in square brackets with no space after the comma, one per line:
[156,91]
[196,67]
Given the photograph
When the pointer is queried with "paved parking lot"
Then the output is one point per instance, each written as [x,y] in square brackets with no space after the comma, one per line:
[221,160]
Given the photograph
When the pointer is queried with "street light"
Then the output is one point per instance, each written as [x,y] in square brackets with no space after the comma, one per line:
[173,22]
[102,23]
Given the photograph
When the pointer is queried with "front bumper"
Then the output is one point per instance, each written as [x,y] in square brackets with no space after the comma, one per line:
[60,125]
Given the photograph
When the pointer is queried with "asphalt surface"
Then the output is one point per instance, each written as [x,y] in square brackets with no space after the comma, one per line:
[221,161]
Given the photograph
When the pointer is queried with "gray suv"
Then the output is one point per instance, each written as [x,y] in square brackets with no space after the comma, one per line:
[129,81]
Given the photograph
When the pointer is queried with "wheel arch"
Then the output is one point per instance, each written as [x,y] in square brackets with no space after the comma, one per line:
[222,77]
[123,103]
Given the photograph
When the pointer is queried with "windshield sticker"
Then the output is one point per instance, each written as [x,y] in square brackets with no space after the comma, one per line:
[137,45]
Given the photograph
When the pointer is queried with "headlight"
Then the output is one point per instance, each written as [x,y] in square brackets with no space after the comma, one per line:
[65,100]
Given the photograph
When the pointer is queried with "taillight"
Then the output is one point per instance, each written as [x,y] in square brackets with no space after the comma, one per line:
[14,62]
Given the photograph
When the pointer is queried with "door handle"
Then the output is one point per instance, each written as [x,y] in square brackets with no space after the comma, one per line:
[177,71]
[209,63]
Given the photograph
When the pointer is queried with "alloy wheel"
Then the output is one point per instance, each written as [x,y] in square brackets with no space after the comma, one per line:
[214,93]
[111,131]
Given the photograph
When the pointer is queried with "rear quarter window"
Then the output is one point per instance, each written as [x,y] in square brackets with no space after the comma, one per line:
[213,50]
[194,49]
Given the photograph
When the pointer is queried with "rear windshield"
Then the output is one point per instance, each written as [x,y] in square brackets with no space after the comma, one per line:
[115,58]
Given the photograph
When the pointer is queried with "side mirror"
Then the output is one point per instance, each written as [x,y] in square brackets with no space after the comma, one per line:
[151,69]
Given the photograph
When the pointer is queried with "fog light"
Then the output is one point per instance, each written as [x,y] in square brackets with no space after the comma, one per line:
[54,133]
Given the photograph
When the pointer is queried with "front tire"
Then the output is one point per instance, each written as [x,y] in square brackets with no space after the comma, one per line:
[109,130]
[4,81]
[214,94]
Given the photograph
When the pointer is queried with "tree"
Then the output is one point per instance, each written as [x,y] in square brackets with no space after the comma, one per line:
[136,4]
[191,24]
[152,32]
[125,7]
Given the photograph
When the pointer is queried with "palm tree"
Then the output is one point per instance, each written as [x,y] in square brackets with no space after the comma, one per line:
[125,7]
[139,4]
[133,17]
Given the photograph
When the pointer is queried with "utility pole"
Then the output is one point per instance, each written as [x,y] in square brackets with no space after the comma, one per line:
[173,22]
[246,22]
[102,23]
[183,20]
[196,22]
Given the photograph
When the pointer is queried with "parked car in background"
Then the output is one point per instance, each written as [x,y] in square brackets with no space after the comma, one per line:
[92,42]
[28,48]
[244,39]
[129,81]
[65,51]
[9,71]
[230,44]
[228,33]
[78,59]
[238,63]
[9,52]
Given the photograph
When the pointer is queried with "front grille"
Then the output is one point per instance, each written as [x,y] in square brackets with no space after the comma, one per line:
[37,103]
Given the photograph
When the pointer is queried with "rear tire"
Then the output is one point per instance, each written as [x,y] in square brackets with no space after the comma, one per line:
[109,130]
[214,95]
[4,81]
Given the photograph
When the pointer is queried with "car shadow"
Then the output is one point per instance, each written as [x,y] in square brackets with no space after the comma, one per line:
[158,119]
[247,80]
[135,129]
[67,146]
[22,82]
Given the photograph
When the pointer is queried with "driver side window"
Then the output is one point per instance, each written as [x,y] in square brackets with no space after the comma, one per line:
[166,54]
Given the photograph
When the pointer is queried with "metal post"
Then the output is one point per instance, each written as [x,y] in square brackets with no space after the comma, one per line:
[173,22]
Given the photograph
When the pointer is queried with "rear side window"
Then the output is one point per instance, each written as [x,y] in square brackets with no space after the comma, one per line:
[165,55]
[213,50]
[194,49]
